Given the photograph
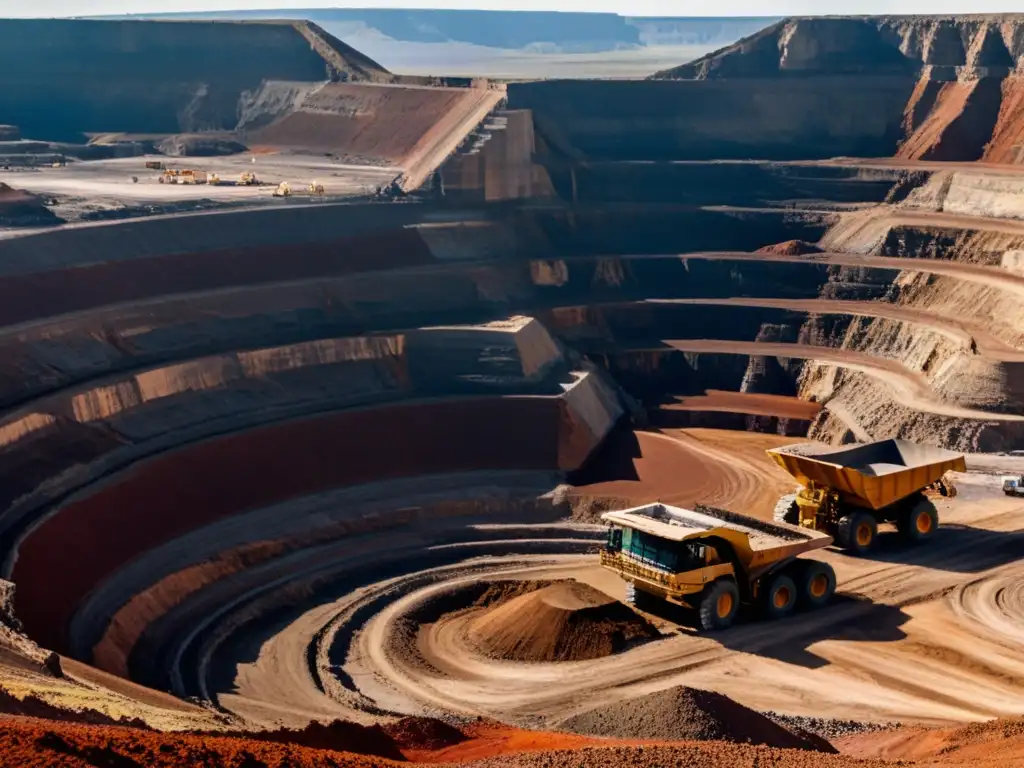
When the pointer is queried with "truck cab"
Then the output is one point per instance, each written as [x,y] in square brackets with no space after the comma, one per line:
[1013,485]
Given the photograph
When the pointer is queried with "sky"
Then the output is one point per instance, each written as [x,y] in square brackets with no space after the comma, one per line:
[45,8]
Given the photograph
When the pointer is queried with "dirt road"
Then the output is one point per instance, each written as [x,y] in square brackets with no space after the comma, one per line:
[909,388]
[721,401]
[961,329]
[927,635]
[906,641]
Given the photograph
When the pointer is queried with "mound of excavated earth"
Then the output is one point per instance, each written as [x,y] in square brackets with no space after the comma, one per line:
[565,621]
[686,714]
[791,248]
[19,208]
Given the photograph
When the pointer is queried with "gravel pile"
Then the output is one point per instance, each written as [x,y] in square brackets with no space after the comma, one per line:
[683,714]
[826,727]
[712,755]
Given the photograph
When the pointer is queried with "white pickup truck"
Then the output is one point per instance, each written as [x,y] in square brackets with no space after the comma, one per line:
[1013,485]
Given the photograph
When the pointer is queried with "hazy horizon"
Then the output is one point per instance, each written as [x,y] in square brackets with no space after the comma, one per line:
[724,8]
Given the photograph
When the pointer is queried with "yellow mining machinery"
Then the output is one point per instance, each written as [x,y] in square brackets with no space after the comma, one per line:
[847,492]
[714,560]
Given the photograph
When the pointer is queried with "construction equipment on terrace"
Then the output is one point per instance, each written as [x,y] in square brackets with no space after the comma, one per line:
[1013,485]
[316,189]
[284,189]
[187,176]
[847,492]
[154,165]
[714,560]
[248,179]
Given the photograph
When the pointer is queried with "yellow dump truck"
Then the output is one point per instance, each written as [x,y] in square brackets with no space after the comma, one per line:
[713,561]
[847,492]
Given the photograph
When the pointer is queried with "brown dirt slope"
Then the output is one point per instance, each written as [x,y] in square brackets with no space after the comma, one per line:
[370,124]
[959,124]
[565,621]
[683,713]
[714,400]
[1007,145]
[981,745]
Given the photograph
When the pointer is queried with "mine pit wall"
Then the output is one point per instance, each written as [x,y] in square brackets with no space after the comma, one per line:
[385,281]
[499,165]
[859,408]
[955,93]
[784,119]
[62,78]
[100,530]
[108,627]
[414,129]
[970,194]
[75,437]
[710,183]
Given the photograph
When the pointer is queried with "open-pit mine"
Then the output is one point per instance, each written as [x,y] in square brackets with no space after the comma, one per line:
[317,379]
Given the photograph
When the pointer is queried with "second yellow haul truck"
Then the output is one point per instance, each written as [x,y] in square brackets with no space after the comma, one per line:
[715,561]
[847,492]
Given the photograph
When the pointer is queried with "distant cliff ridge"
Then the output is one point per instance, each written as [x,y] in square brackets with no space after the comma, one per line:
[60,78]
[512,30]
[801,46]
[963,76]
[932,88]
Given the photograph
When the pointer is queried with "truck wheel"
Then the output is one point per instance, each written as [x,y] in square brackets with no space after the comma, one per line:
[857,532]
[779,600]
[816,583]
[719,606]
[920,522]
[787,511]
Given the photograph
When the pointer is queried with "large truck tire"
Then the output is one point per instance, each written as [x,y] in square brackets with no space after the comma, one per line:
[920,522]
[787,511]
[815,584]
[779,599]
[857,532]
[719,606]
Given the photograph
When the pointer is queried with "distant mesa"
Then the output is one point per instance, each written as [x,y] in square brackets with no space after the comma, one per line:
[157,78]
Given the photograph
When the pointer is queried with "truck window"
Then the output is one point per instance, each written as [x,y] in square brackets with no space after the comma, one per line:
[671,556]
[614,539]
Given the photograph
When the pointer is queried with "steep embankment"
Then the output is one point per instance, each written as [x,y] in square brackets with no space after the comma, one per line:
[62,78]
[963,73]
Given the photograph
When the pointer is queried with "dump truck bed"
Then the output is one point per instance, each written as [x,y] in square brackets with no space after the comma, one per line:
[759,544]
[872,475]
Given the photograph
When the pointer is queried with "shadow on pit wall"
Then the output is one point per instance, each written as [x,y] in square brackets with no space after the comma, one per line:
[615,458]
